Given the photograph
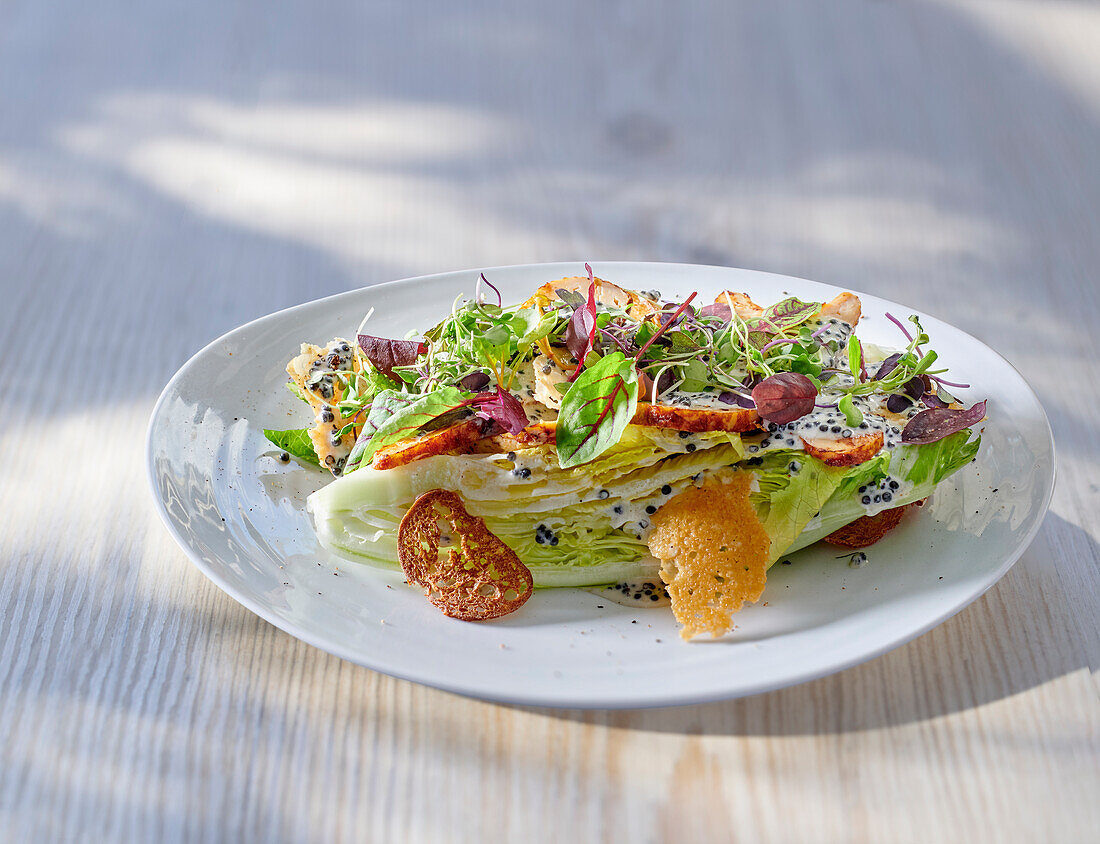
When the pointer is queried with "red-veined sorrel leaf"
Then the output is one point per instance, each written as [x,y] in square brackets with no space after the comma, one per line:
[784,397]
[932,425]
[790,312]
[597,409]
[580,334]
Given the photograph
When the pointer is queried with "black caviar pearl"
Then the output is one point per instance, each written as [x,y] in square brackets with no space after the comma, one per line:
[650,509]
[618,509]
[836,429]
[691,447]
[866,499]
[511,455]
[553,540]
[887,496]
[525,473]
[666,490]
[894,484]
[327,415]
[685,434]
[824,428]
[285,457]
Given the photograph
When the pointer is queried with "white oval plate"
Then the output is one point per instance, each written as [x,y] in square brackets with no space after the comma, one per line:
[239,514]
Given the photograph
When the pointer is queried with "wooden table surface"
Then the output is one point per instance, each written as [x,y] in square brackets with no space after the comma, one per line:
[171,170]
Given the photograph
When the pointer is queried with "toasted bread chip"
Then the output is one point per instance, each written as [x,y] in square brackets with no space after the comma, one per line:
[481,578]
[713,552]
[867,530]
[849,451]
[696,419]
[454,439]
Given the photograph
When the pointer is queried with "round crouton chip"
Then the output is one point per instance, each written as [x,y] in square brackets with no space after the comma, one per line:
[480,577]
[867,530]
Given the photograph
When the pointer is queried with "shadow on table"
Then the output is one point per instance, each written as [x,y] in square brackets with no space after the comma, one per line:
[1013,639]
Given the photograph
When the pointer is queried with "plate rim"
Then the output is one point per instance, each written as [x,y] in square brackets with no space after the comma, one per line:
[581,700]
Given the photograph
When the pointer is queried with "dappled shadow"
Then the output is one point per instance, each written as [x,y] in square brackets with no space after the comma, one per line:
[167,173]
[195,202]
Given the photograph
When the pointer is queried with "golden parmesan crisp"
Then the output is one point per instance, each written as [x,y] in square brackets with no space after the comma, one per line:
[713,552]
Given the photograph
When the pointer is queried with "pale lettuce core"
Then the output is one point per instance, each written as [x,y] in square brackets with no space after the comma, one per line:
[798,498]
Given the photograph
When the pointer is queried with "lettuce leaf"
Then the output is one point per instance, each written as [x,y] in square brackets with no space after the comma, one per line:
[785,501]
[295,442]
[922,467]
[395,416]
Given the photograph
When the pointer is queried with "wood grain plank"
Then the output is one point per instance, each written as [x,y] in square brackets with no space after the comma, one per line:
[167,173]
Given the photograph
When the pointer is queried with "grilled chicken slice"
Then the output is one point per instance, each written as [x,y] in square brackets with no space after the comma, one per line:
[742,305]
[849,451]
[845,306]
[696,419]
[458,438]
[635,304]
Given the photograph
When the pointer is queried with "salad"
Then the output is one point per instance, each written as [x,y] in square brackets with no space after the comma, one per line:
[593,435]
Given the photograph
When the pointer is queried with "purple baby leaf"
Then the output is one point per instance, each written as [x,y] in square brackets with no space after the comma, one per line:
[502,408]
[934,401]
[730,397]
[930,426]
[888,366]
[784,397]
[386,354]
[718,309]
[579,331]
[475,382]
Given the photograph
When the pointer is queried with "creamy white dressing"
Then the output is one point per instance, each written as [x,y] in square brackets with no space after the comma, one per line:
[703,400]
[833,336]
